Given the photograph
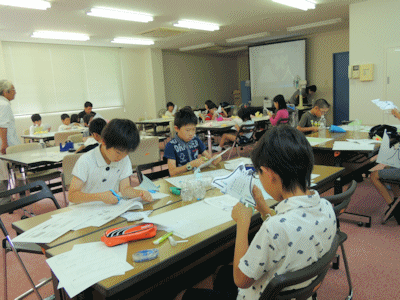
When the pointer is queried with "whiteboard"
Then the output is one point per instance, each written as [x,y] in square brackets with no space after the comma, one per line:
[273,68]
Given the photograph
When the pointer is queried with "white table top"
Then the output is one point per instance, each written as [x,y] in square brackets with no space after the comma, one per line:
[52,133]
[223,124]
[158,120]
[51,154]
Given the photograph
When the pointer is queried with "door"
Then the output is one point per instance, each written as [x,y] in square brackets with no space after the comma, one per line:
[340,87]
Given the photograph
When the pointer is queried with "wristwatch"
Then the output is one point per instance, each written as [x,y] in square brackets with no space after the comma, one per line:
[189,166]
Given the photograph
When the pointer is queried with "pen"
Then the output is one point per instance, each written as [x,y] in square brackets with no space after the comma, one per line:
[116,195]
[162,239]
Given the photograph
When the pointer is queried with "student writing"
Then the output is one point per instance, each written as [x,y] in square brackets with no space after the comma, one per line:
[107,167]
[310,120]
[281,110]
[186,151]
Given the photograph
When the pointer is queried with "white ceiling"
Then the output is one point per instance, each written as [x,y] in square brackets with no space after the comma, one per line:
[235,17]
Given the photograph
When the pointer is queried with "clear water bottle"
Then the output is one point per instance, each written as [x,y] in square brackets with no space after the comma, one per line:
[186,191]
[199,192]
[322,123]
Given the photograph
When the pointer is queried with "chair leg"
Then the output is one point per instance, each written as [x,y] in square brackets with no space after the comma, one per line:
[5,272]
[23,266]
[237,150]
[64,188]
[346,265]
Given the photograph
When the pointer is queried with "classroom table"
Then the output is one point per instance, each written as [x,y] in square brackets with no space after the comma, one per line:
[176,267]
[355,162]
[50,135]
[156,122]
[224,126]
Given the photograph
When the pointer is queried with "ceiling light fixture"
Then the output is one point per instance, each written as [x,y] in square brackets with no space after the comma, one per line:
[119,14]
[132,41]
[35,4]
[197,25]
[247,37]
[300,4]
[201,46]
[55,35]
[312,25]
[233,49]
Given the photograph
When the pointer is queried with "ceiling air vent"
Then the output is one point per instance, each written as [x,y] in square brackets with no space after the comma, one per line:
[162,32]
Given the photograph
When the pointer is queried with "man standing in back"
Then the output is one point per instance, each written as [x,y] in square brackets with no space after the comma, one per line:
[8,131]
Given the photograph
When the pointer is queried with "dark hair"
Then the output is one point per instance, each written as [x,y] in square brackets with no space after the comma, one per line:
[86,118]
[244,114]
[312,88]
[211,104]
[281,101]
[170,104]
[208,102]
[36,117]
[64,116]
[88,104]
[185,117]
[97,126]
[75,118]
[121,134]
[286,151]
[322,103]
[187,107]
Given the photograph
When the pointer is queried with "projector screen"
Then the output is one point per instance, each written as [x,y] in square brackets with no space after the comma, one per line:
[273,69]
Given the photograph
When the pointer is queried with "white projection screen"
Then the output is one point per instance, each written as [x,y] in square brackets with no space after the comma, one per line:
[273,68]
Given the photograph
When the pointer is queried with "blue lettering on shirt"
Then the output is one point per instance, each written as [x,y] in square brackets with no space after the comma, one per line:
[178,150]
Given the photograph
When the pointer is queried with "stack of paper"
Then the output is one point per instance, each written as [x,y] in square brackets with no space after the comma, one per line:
[80,216]
[87,264]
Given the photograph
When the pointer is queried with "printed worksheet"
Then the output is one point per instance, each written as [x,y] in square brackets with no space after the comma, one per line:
[384,105]
[238,184]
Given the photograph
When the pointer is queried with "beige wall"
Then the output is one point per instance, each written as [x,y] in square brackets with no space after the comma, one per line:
[192,79]
[374,27]
[320,49]
[143,89]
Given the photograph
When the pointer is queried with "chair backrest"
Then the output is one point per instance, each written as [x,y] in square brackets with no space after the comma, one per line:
[153,175]
[25,201]
[148,151]
[23,147]
[247,128]
[283,121]
[275,288]
[76,138]
[61,137]
[342,200]
[68,164]
[172,131]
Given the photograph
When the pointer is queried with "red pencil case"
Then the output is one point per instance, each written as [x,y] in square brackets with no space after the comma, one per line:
[126,234]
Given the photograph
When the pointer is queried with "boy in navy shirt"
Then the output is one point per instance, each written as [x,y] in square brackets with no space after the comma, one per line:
[186,151]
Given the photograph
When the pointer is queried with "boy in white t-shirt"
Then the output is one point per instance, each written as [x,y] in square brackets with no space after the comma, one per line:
[37,126]
[66,123]
[95,129]
[300,233]
[101,173]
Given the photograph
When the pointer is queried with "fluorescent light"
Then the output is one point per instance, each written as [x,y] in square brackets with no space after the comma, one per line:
[247,37]
[233,49]
[300,4]
[316,24]
[201,46]
[35,4]
[55,35]
[197,25]
[120,14]
[132,41]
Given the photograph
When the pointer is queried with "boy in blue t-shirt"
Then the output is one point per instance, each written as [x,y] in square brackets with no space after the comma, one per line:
[186,151]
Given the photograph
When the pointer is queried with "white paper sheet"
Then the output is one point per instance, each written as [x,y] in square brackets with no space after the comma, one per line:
[177,181]
[131,216]
[192,219]
[317,141]
[350,146]
[238,184]
[387,155]
[148,185]
[384,105]
[234,163]
[87,264]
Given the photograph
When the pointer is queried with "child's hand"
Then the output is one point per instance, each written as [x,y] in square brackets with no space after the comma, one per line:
[109,198]
[315,129]
[146,196]
[242,214]
[198,162]
[261,206]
